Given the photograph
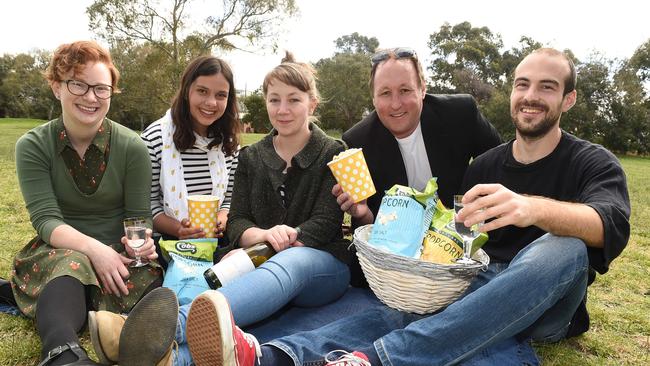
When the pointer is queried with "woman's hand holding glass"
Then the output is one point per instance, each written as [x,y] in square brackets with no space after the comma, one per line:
[138,239]
[147,251]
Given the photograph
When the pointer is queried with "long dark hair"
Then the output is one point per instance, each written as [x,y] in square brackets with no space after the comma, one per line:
[227,128]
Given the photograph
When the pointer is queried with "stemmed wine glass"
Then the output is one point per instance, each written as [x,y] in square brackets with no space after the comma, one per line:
[467,233]
[135,229]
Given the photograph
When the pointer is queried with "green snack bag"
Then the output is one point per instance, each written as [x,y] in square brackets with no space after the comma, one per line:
[188,259]
[442,244]
[201,249]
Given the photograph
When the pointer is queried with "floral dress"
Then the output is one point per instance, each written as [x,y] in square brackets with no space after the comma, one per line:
[38,262]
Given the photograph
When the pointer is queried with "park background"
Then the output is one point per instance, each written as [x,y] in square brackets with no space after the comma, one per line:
[470,48]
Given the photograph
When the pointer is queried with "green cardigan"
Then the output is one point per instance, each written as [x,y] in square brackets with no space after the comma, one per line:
[256,201]
[52,198]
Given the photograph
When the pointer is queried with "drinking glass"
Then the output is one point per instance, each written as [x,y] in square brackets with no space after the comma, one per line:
[135,229]
[467,233]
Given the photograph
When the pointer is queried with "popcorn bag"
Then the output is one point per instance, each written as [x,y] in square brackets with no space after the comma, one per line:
[403,219]
[351,172]
[442,244]
[203,213]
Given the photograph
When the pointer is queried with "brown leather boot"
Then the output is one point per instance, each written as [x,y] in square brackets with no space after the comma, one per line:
[167,359]
[105,328]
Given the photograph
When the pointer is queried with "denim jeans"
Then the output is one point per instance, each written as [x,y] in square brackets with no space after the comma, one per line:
[299,276]
[293,319]
[549,276]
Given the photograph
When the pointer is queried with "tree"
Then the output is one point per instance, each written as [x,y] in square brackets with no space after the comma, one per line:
[465,60]
[169,26]
[510,59]
[145,96]
[24,91]
[343,82]
[632,106]
[356,43]
[256,113]
[640,61]
[497,111]
[6,62]
[591,117]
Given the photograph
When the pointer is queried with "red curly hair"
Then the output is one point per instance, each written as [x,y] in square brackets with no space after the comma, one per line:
[74,56]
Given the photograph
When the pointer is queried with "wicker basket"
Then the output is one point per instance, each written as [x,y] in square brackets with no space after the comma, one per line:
[409,284]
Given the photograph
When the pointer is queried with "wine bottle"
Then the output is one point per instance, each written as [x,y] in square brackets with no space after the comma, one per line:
[238,264]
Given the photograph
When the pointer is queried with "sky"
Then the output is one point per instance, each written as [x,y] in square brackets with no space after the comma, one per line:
[613,28]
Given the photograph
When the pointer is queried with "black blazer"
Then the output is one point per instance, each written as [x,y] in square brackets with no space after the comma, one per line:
[454,132]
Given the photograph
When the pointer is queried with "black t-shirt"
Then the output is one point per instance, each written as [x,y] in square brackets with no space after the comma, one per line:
[576,171]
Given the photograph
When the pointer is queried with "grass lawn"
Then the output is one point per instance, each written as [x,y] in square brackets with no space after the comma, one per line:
[619,302]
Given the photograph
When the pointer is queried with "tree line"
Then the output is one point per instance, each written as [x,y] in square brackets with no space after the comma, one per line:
[152,42]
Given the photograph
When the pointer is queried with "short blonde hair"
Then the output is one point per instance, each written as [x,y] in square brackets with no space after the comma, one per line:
[296,74]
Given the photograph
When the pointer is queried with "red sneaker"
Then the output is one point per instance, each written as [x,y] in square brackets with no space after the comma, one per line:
[346,359]
[213,337]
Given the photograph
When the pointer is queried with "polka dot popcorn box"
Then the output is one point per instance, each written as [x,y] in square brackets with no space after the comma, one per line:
[203,212]
[351,172]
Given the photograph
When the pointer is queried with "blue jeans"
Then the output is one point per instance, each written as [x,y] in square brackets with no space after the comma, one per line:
[548,277]
[299,276]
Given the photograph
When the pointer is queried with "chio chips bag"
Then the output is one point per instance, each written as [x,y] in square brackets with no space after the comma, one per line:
[201,249]
[403,219]
[188,259]
[442,244]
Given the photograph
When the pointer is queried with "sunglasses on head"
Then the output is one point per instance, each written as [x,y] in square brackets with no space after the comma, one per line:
[399,52]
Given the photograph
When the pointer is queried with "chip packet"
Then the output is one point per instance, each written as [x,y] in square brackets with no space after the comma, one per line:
[188,259]
[442,244]
[202,249]
[403,219]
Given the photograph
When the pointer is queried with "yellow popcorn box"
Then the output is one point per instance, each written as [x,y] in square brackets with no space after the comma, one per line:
[351,172]
[202,210]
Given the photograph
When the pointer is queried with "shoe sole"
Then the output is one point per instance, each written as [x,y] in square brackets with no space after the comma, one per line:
[209,331]
[149,329]
[93,329]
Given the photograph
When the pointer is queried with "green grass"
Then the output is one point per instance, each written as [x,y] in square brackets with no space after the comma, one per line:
[10,130]
[249,138]
[619,302]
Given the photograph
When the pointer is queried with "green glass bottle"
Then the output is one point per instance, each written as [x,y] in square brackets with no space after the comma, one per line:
[238,264]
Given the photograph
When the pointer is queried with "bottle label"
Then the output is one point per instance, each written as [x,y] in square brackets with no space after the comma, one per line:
[237,264]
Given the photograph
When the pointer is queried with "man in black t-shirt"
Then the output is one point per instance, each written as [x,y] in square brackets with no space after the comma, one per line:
[552,187]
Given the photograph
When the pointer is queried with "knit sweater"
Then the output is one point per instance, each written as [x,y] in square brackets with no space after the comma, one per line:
[53,199]
[256,199]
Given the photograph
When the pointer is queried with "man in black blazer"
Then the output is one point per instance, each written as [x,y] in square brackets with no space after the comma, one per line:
[447,131]
[452,128]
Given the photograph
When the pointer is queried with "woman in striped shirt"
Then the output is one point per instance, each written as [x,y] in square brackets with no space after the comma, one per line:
[194,148]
